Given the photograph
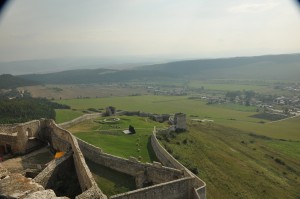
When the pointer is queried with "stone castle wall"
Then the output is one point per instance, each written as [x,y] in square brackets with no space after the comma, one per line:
[155,173]
[80,119]
[21,137]
[88,185]
[169,183]
[168,160]
[7,128]
[43,177]
[175,189]
[175,182]
[61,140]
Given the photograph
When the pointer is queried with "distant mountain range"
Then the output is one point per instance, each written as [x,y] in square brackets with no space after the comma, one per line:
[270,67]
[43,66]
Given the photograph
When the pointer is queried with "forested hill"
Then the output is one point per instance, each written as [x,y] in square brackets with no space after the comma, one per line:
[271,67]
[88,76]
[9,81]
[25,109]
[281,67]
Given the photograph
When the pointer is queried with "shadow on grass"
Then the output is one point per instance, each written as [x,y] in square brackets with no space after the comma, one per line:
[151,151]
[111,182]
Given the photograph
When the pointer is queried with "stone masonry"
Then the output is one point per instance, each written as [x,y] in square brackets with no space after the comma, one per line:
[170,179]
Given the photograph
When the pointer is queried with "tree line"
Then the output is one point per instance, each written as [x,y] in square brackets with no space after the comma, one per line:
[25,109]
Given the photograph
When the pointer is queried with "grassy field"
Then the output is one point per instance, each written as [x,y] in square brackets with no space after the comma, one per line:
[64,115]
[161,104]
[236,107]
[229,115]
[289,148]
[235,164]
[81,91]
[112,140]
[287,129]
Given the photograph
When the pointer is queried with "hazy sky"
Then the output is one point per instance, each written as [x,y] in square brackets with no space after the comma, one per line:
[37,29]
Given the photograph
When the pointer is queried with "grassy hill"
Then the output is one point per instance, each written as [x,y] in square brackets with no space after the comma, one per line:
[272,67]
[235,164]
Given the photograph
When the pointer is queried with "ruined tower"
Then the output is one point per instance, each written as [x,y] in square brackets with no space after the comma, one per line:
[180,121]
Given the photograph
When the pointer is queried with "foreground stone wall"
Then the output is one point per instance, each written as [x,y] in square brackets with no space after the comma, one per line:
[21,137]
[43,177]
[88,185]
[61,140]
[168,160]
[11,140]
[175,182]
[7,128]
[177,189]
[169,183]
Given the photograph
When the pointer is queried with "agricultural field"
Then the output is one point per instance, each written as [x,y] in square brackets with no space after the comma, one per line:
[81,91]
[234,116]
[235,164]
[64,115]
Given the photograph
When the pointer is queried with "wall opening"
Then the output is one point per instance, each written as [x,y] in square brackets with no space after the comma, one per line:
[2,150]
[29,133]
[8,148]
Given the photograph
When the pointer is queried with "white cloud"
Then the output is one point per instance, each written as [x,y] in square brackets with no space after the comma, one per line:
[254,7]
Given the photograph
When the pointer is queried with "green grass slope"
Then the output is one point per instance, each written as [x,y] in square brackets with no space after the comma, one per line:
[64,115]
[238,165]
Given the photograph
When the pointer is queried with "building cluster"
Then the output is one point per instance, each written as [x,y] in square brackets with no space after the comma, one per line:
[272,104]
[167,91]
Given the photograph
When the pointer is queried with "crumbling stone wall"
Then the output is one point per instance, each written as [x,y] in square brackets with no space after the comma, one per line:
[8,139]
[21,137]
[61,140]
[15,185]
[170,182]
[110,111]
[168,160]
[88,185]
[177,189]
[43,177]
[180,121]
[7,128]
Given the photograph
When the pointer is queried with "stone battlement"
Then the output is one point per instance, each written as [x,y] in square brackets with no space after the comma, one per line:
[168,180]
